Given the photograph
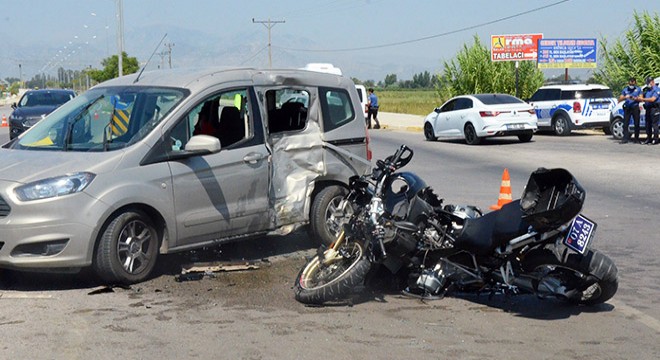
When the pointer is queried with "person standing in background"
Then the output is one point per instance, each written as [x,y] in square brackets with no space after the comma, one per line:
[651,100]
[629,94]
[373,109]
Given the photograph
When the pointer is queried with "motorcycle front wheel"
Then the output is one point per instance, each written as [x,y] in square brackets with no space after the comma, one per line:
[333,275]
[588,279]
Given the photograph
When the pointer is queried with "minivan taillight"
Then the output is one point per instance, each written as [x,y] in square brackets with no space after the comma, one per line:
[577,108]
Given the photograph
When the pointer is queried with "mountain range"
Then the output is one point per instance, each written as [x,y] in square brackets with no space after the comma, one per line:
[192,48]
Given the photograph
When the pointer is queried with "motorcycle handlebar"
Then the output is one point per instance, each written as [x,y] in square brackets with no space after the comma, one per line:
[401,158]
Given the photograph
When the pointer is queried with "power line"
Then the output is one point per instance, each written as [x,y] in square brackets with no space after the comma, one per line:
[432,36]
[270,25]
[254,56]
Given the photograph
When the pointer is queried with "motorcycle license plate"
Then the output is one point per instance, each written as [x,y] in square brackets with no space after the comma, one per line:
[580,234]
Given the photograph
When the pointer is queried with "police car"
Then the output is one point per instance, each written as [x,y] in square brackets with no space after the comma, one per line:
[616,119]
[563,108]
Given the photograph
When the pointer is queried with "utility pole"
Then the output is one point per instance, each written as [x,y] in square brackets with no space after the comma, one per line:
[169,53]
[120,36]
[270,25]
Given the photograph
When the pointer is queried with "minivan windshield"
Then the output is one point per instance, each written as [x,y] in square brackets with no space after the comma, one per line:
[102,119]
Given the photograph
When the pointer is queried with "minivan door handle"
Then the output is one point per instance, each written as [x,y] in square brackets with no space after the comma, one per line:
[252,158]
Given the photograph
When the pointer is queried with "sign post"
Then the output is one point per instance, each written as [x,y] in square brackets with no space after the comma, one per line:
[567,53]
[519,47]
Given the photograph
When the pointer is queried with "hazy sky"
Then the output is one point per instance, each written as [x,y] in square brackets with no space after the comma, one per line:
[338,31]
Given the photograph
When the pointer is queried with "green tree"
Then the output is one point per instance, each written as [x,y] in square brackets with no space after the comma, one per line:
[638,54]
[13,88]
[422,80]
[473,72]
[111,68]
[390,79]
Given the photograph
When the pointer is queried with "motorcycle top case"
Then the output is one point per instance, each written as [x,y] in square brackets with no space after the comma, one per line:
[551,198]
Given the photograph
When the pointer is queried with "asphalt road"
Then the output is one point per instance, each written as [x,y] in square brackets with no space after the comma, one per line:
[252,315]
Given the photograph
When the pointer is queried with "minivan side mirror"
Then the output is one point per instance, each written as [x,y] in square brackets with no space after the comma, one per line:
[204,144]
[198,145]
[437,110]
[13,106]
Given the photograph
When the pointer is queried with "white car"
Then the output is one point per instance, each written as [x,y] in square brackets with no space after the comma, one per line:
[474,117]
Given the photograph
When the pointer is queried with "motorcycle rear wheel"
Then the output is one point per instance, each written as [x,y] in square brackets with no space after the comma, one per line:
[590,279]
[334,276]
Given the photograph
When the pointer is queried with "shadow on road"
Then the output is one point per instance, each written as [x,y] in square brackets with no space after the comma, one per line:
[256,249]
[382,285]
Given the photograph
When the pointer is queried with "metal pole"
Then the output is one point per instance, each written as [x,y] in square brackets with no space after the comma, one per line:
[270,25]
[169,53]
[20,76]
[517,88]
[120,37]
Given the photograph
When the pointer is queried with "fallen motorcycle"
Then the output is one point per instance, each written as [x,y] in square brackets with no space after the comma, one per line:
[539,244]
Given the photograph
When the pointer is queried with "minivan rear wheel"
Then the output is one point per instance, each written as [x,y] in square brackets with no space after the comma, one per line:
[128,248]
[326,220]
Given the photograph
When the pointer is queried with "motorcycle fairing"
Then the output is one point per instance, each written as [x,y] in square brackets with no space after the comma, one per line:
[483,234]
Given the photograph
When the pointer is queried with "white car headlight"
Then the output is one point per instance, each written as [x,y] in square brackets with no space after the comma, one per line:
[56,186]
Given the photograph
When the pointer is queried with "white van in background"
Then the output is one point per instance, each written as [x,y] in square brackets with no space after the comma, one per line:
[362,94]
[329,68]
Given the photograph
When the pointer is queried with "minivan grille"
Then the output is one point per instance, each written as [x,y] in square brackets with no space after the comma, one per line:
[4,207]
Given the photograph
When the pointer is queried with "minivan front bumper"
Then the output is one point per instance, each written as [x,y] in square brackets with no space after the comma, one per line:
[52,233]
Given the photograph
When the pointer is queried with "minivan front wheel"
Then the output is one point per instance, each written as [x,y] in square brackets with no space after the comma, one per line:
[326,218]
[128,248]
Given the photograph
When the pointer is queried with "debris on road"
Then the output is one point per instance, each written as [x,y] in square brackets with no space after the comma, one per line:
[197,271]
[107,289]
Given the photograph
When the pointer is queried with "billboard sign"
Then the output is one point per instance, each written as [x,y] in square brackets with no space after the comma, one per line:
[567,53]
[518,47]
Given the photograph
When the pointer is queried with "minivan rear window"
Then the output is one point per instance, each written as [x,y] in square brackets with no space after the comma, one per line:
[336,106]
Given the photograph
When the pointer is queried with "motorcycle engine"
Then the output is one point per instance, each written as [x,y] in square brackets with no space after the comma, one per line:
[399,242]
[432,280]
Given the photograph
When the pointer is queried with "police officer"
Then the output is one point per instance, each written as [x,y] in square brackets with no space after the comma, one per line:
[651,101]
[629,94]
[372,109]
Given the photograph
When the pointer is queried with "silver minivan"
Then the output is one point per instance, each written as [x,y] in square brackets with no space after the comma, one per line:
[173,160]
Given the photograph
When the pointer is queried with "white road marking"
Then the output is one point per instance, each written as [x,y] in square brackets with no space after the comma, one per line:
[24,295]
[647,320]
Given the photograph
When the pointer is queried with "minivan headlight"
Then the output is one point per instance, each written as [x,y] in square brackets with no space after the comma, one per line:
[56,186]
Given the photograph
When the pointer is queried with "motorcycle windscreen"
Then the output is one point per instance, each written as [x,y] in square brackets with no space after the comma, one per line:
[552,197]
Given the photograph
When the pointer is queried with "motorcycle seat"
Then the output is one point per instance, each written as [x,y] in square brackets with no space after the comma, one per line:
[483,234]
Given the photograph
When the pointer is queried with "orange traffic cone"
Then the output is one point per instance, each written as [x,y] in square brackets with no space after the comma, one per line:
[505,191]
[4,121]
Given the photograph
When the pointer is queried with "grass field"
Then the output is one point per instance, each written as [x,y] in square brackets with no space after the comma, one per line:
[418,102]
